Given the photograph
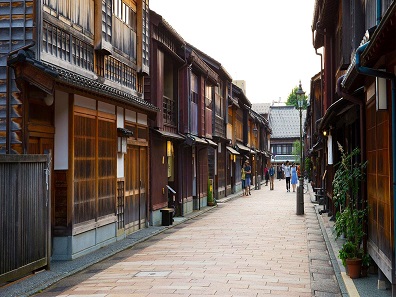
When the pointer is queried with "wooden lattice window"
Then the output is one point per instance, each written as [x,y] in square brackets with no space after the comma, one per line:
[106,20]
[107,156]
[239,125]
[119,72]
[84,168]
[94,166]
[120,204]
[145,34]
[169,111]
[60,43]
[219,100]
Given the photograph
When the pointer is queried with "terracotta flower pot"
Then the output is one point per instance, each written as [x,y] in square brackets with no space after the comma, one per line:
[354,267]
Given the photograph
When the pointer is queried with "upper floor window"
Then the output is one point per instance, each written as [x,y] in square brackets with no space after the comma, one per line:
[194,88]
[282,149]
[208,97]
[219,99]
[126,13]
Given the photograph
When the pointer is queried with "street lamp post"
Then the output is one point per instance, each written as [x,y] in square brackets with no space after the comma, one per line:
[300,191]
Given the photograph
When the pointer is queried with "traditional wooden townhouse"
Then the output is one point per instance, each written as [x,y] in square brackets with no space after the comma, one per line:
[73,85]
[237,135]
[314,139]
[340,117]
[218,157]
[373,69]
[197,81]
[359,110]
[259,134]
[163,89]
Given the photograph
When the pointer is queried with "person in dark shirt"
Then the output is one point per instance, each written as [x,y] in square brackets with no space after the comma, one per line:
[271,172]
[248,177]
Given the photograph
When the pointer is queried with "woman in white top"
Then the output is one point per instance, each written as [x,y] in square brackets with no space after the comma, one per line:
[287,171]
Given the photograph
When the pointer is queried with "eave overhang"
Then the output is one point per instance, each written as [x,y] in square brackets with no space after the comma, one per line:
[47,76]
[382,42]
[334,112]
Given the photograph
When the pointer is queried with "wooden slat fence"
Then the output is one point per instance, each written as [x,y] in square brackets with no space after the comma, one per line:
[24,215]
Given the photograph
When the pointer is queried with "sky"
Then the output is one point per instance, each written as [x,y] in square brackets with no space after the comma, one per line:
[267,43]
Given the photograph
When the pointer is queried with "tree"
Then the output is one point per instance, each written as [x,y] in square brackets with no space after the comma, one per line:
[297,150]
[292,99]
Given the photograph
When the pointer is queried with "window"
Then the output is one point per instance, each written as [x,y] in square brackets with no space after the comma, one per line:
[208,97]
[282,149]
[125,13]
[219,99]
[169,111]
[194,88]
[95,159]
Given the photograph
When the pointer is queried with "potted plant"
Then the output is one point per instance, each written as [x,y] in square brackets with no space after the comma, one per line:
[366,261]
[349,219]
[349,223]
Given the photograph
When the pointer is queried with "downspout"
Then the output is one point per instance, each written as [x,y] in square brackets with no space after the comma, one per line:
[181,146]
[390,76]
[323,163]
[379,11]
[321,61]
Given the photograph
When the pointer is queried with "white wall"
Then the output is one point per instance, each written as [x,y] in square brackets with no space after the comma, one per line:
[120,157]
[61,145]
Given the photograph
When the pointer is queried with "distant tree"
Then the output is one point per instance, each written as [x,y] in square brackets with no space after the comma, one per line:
[297,151]
[292,99]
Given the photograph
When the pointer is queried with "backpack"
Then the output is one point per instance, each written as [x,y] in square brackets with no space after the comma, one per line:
[272,171]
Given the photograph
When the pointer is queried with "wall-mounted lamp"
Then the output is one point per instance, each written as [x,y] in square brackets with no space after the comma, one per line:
[380,94]
[255,130]
[169,149]
[123,135]
[324,133]
[49,100]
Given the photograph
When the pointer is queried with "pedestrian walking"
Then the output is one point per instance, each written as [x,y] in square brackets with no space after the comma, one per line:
[243,174]
[279,170]
[271,176]
[286,170]
[266,175]
[294,177]
[248,176]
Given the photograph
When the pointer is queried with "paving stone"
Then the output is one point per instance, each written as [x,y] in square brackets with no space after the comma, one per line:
[247,246]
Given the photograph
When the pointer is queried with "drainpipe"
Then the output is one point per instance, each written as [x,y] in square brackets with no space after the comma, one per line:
[321,60]
[379,11]
[390,76]
[181,146]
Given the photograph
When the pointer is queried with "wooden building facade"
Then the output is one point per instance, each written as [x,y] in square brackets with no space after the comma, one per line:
[76,90]
[136,119]
[358,96]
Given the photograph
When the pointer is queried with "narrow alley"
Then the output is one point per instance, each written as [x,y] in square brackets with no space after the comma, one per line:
[250,246]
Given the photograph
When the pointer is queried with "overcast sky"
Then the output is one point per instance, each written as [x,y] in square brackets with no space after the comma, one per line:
[267,43]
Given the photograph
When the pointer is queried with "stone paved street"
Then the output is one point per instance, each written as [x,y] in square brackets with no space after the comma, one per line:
[248,246]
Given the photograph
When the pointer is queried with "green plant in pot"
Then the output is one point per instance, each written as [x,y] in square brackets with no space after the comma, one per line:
[349,219]
[366,261]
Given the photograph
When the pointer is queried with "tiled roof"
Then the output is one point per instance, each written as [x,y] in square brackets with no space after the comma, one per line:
[261,108]
[285,121]
[83,82]
[77,80]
